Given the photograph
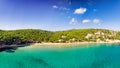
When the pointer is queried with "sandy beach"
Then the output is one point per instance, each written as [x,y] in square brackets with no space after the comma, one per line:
[59,45]
[71,44]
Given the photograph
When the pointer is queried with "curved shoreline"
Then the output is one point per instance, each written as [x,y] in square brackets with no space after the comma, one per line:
[71,44]
[12,47]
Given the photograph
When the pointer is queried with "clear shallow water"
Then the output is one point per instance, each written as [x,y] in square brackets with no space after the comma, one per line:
[86,56]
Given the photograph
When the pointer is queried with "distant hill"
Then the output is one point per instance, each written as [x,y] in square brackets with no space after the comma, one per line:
[76,35]
[79,35]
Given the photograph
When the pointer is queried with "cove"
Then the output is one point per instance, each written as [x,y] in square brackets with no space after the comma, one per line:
[83,56]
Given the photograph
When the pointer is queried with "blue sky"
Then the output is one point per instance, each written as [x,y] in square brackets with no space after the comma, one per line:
[59,14]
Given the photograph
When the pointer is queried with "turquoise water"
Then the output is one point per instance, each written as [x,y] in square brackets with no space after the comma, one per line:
[85,56]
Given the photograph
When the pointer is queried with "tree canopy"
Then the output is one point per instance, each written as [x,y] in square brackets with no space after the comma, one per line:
[37,36]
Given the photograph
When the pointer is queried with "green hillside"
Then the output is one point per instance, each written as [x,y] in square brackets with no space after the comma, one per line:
[38,36]
[84,35]
[24,36]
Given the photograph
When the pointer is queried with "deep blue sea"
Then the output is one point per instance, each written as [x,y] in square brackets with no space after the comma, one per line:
[83,56]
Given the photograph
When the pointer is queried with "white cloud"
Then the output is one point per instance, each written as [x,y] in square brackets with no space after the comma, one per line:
[73,21]
[55,6]
[96,21]
[60,8]
[80,11]
[86,21]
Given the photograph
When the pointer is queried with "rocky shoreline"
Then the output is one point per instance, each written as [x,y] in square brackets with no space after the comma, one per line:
[11,48]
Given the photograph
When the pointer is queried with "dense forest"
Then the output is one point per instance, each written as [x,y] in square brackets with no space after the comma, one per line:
[24,36]
[37,36]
